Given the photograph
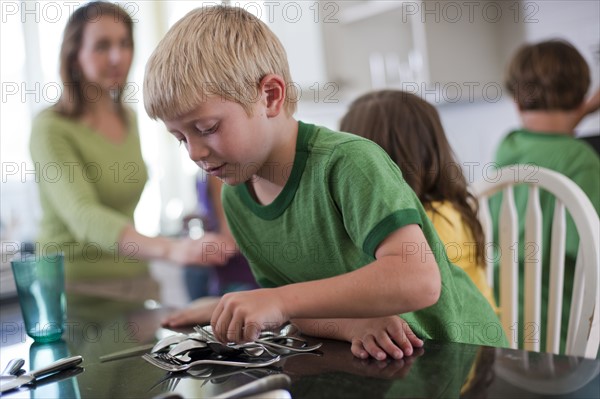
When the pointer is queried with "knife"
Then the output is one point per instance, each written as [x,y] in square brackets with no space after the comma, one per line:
[136,350]
[27,378]
[13,369]
[265,384]
[57,377]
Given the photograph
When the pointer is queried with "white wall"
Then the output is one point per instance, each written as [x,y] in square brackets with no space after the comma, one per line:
[474,128]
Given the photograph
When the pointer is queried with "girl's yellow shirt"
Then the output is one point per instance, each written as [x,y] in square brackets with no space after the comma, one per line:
[460,245]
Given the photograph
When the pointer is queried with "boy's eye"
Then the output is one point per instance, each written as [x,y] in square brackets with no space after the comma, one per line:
[208,131]
[181,140]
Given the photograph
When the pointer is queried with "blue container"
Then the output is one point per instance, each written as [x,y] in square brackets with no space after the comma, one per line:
[40,282]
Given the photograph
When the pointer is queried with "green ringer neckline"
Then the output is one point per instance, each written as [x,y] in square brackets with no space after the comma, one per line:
[283,200]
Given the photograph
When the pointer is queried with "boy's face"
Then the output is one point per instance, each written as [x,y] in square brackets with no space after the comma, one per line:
[223,140]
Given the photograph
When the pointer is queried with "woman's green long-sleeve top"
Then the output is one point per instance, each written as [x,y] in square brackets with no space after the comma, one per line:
[89,187]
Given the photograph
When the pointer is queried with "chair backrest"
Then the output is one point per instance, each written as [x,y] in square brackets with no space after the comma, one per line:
[546,373]
[583,335]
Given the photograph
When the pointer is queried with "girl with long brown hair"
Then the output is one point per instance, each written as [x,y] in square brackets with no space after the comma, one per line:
[410,131]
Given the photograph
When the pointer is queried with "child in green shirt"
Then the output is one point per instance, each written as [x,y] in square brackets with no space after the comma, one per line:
[549,82]
[339,242]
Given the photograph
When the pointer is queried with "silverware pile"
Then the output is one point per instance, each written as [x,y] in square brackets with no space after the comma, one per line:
[182,352]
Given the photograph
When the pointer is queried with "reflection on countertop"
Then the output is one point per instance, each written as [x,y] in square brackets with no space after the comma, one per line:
[99,327]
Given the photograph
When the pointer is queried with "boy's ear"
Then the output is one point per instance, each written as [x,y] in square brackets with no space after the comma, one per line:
[273,93]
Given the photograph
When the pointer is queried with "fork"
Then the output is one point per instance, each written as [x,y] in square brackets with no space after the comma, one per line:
[186,346]
[267,342]
[171,363]
[250,348]
[205,333]
[172,384]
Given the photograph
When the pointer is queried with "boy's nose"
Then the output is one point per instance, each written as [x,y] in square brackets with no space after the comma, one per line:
[198,152]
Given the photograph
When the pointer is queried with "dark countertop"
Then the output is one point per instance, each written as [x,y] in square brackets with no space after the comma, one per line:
[98,326]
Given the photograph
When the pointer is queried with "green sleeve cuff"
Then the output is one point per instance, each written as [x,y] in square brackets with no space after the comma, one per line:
[115,224]
[389,224]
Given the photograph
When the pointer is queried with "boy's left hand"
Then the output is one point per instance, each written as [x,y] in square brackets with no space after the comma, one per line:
[383,336]
[241,316]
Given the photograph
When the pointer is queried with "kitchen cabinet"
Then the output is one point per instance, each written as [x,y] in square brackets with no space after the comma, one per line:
[446,51]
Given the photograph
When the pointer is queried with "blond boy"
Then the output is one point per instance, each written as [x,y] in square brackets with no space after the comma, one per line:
[337,239]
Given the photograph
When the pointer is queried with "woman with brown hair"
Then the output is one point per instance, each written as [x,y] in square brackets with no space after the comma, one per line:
[91,174]
[410,131]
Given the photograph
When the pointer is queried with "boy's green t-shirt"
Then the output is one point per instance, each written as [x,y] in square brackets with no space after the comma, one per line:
[344,196]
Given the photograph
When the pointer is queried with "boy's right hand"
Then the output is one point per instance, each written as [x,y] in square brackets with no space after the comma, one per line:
[381,337]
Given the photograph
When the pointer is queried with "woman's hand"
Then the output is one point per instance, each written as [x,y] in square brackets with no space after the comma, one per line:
[212,249]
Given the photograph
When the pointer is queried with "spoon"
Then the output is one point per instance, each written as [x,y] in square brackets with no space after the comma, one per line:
[168,341]
[289,329]
[186,346]
[12,368]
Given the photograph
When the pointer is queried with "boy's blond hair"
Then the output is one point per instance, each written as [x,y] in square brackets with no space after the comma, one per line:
[222,51]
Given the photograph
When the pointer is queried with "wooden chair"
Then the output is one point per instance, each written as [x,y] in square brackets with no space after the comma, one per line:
[583,332]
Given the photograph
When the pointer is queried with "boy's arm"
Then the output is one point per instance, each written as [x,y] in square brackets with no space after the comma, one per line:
[400,280]
[589,106]
[377,337]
